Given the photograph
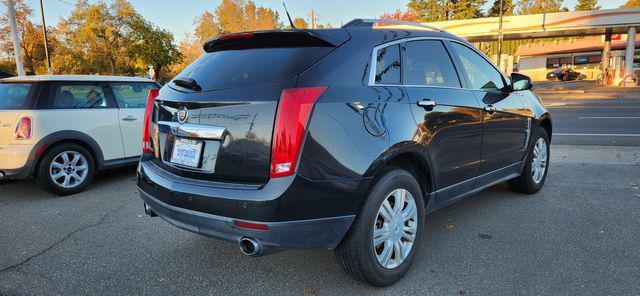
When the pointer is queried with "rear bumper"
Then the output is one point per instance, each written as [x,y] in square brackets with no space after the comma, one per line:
[316,233]
[15,161]
[300,214]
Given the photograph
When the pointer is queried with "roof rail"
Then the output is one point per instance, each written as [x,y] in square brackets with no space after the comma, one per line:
[367,22]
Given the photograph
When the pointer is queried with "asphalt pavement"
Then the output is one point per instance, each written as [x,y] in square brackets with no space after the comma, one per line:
[579,236]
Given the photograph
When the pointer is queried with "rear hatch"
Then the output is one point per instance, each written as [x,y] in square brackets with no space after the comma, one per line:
[223,106]
[15,98]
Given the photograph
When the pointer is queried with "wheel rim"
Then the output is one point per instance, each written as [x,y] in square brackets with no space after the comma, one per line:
[69,169]
[395,228]
[539,162]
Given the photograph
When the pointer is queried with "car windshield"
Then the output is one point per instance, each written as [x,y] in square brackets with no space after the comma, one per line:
[14,95]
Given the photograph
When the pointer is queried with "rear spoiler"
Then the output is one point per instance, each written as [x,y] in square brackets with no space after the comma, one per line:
[277,38]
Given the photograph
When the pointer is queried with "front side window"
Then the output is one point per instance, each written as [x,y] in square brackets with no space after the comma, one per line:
[132,95]
[480,73]
[428,63]
[388,65]
[78,96]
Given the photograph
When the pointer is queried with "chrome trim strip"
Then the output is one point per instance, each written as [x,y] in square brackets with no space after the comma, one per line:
[372,73]
[187,130]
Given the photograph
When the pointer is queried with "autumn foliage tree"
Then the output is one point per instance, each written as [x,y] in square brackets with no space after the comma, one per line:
[399,15]
[31,42]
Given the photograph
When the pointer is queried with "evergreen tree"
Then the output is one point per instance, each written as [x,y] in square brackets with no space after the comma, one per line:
[444,10]
[538,6]
[583,5]
[507,8]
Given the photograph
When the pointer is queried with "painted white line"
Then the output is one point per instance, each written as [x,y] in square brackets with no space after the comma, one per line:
[609,117]
[598,135]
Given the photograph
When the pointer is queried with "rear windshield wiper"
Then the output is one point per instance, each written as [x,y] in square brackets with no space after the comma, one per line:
[187,83]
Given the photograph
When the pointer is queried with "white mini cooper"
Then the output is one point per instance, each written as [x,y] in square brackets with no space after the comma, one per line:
[62,129]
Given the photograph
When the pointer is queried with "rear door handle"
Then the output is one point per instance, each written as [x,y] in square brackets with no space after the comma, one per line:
[427,104]
[490,109]
[129,118]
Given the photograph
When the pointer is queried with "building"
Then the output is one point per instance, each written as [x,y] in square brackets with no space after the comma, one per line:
[583,55]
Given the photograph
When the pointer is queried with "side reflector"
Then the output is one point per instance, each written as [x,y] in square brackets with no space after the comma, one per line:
[23,129]
[147,146]
[294,110]
[250,225]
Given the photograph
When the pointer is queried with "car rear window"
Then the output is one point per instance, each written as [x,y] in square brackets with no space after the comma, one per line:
[14,95]
[237,68]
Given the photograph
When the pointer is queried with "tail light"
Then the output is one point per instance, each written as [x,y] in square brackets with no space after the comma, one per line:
[147,144]
[294,110]
[23,129]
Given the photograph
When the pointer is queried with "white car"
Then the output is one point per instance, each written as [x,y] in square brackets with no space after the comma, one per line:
[62,129]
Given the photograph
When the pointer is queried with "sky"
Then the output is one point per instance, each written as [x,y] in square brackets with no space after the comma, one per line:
[178,16]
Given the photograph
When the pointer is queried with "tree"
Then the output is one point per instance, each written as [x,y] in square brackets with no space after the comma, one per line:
[300,23]
[152,46]
[190,49]
[444,10]
[31,42]
[398,15]
[234,16]
[507,8]
[587,5]
[631,4]
[538,6]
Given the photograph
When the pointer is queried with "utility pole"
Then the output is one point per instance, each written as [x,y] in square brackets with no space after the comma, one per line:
[313,19]
[499,59]
[46,40]
[14,36]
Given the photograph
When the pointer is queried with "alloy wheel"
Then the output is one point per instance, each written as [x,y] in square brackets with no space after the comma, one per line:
[69,169]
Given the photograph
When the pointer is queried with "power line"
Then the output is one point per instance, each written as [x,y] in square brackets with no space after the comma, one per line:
[65,2]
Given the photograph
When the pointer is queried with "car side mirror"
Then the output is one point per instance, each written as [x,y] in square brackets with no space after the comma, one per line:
[520,82]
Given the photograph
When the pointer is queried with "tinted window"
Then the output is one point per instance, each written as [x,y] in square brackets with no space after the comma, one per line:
[428,63]
[78,96]
[388,65]
[14,95]
[132,95]
[235,68]
[480,73]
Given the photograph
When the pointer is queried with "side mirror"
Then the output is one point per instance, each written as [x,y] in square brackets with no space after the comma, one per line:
[520,82]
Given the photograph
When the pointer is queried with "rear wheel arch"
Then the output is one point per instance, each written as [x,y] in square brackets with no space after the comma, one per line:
[409,156]
[62,137]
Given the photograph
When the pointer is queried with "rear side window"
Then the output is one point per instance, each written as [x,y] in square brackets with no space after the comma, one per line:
[132,95]
[14,95]
[428,63]
[245,67]
[388,65]
[480,73]
[77,96]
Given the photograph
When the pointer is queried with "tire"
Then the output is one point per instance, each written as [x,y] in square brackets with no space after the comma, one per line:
[356,252]
[79,175]
[529,182]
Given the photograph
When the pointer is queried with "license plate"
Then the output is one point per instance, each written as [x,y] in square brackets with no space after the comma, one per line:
[186,152]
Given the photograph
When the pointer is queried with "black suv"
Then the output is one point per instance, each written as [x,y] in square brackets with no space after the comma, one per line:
[340,138]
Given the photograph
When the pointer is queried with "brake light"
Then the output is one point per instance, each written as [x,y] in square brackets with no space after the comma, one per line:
[147,145]
[23,129]
[294,110]
[235,36]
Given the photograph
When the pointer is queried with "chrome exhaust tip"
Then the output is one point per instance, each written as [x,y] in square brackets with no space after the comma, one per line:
[1,175]
[250,247]
[149,211]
